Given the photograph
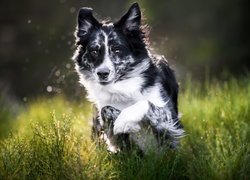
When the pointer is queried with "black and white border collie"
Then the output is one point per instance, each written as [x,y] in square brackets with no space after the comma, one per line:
[135,93]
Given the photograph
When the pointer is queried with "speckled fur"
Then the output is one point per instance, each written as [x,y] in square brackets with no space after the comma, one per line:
[137,101]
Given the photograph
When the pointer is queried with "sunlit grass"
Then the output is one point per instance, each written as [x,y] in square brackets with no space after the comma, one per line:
[50,139]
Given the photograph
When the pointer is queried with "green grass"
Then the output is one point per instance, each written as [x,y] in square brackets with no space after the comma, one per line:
[50,139]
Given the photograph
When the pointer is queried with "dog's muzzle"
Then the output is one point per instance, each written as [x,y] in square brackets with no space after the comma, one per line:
[103,74]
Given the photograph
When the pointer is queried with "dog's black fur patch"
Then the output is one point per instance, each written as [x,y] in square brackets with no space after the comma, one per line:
[120,50]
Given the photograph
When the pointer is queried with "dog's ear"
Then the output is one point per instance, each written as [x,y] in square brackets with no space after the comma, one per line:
[86,22]
[131,21]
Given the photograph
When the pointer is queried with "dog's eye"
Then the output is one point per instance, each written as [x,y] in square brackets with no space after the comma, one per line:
[94,53]
[116,50]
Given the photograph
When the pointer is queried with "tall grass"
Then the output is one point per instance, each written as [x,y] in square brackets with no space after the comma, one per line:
[50,139]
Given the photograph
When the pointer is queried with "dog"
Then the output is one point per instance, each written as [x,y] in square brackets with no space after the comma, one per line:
[134,91]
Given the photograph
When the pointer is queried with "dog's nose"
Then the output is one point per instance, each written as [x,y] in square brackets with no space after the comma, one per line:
[103,73]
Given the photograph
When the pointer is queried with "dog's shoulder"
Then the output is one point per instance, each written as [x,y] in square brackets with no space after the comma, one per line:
[167,78]
[163,69]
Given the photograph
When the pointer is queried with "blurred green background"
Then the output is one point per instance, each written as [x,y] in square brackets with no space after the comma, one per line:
[197,37]
[44,118]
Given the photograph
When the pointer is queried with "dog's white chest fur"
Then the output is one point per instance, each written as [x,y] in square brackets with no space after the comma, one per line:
[128,97]
[119,95]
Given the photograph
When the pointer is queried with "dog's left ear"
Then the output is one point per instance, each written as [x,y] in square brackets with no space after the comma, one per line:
[86,22]
[131,21]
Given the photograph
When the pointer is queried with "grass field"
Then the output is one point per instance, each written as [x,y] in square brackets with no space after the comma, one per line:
[50,139]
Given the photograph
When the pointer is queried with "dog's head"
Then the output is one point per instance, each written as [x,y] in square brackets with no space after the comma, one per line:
[109,52]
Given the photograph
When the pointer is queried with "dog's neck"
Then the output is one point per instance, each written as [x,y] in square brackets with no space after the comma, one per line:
[120,94]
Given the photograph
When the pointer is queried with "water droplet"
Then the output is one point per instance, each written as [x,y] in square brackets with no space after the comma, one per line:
[57,73]
[29,21]
[68,66]
[72,10]
[49,88]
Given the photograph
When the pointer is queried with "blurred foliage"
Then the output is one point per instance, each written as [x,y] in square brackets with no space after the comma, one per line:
[36,39]
[50,139]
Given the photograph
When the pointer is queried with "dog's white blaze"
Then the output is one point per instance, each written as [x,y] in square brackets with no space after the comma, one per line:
[107,63]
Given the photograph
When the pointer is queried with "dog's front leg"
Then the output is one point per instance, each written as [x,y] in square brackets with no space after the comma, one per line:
[129,118]
[165,124]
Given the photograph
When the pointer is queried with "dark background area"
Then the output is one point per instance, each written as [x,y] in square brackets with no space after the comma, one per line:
[197,37]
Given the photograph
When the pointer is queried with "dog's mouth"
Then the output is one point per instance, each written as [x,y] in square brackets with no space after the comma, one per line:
[105,83]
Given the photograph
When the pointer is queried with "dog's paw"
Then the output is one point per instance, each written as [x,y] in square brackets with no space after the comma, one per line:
[126,127]
[109,113]
[125,124]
